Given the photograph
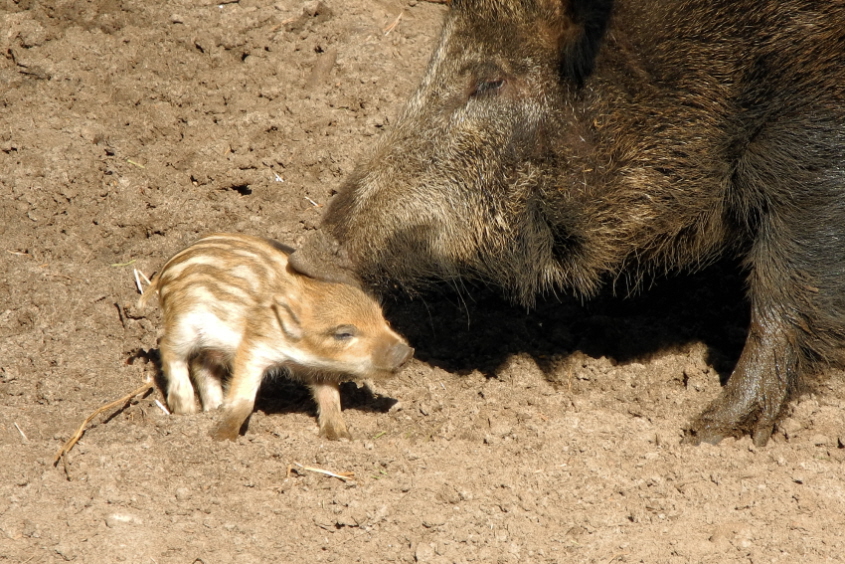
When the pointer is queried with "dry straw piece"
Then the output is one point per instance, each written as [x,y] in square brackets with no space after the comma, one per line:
[79,432]
[343,476]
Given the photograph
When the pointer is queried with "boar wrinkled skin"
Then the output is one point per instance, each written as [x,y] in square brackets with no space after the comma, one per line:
[569,144]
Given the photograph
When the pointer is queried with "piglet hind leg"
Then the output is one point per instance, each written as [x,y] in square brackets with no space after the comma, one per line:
[180,392]
[208,377]
[247,373]
[233,422]
[332,425]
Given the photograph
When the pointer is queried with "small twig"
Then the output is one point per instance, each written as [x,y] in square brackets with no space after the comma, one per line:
[139,165]
[21,432]
[120,315]
[393,24]
[79,432]
[60,275]
[138,274]
[283,23]
[343,476]
[313,203]
[161,406]
[359,534]
[119,264]
[66,469]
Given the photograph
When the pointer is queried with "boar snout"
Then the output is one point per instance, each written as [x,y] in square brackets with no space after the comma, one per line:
[322,258]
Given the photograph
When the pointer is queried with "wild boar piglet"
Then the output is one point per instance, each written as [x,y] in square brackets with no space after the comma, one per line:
[233,307]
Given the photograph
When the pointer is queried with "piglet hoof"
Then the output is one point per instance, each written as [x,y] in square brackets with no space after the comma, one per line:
[334,430]
[332,425]
[181,405]
[226,430]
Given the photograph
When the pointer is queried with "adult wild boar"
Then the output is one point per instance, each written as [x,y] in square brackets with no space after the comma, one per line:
[573,143]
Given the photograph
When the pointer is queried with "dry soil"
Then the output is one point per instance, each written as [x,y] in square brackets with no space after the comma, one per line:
[130,128]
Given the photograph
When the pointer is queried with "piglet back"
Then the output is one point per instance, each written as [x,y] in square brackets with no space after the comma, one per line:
[227,267]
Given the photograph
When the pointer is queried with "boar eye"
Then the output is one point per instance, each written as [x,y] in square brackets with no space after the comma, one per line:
[345,332]
[487,86]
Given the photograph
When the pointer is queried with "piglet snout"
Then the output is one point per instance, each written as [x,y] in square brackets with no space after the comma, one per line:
[398,355]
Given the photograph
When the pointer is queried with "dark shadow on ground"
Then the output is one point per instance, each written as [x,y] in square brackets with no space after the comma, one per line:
[478,329]
[279,394]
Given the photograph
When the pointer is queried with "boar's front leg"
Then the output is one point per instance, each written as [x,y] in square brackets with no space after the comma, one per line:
[757,390]
[797,284]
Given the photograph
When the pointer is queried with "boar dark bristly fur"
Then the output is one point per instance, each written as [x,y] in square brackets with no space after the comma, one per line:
[569,143]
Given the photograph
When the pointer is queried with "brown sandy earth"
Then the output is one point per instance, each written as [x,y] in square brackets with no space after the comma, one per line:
[130,128]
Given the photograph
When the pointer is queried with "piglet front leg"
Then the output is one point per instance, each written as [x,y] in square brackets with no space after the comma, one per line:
[251,361]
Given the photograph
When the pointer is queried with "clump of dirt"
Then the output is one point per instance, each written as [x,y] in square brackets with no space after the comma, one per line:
[131,128]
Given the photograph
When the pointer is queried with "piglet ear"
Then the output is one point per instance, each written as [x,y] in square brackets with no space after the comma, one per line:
[287,313]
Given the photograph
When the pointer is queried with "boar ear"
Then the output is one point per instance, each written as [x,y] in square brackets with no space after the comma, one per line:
[584,24]
[286,311]
[321,257]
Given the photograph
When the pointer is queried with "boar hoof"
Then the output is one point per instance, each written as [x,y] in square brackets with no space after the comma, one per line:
[724,418]
[756,392]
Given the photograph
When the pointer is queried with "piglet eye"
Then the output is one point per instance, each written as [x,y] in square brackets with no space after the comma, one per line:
[345,332]
[487,86]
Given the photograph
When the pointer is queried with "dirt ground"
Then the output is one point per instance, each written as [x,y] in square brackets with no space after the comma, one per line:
[130,128]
